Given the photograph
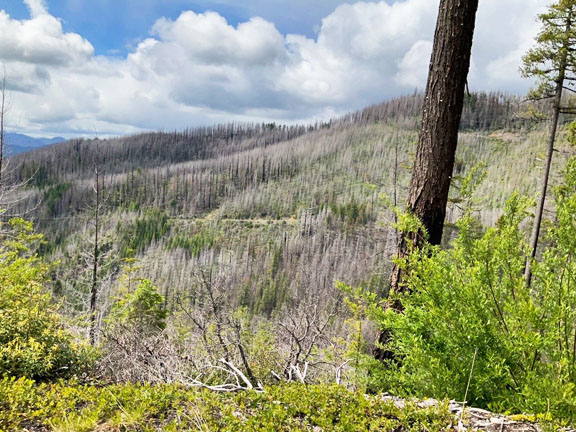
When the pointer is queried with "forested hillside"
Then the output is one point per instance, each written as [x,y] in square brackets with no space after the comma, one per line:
[242,237]
[239,256]
[279,212]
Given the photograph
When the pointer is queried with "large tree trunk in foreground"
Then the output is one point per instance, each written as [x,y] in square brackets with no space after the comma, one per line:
[441,114]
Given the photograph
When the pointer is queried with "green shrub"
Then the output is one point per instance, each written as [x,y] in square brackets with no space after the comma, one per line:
[25,405]
[143,308]
[471,302]
[33,342]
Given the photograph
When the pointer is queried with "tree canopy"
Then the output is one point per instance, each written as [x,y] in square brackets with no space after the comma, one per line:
[553,59]
[553,62]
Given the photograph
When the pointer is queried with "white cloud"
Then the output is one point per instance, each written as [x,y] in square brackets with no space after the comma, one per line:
[198,68]
[209,39]
[502,37]
[41,40]
[36,7]
[354,60]
[413,68]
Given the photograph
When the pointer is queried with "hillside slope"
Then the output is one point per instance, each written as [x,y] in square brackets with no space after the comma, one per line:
[279,213]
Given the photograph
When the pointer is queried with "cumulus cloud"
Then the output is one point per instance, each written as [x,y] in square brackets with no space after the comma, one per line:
[41,40]
[200,60]
[36,7]
[200,69]
[501,39]
[354,59]
[209,39]
[412,69]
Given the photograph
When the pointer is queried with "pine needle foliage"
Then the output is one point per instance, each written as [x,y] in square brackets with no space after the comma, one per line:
[552,60]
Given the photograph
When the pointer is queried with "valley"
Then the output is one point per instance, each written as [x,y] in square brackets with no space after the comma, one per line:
[279,212]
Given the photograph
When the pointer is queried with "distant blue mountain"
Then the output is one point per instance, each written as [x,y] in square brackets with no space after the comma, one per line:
[18,143]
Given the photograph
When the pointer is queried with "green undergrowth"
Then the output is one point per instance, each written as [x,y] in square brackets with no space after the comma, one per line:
[66,406]
[469,324]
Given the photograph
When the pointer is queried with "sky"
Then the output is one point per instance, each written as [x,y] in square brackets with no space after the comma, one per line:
[114,67]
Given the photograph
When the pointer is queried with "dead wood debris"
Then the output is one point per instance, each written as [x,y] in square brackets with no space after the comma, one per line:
[476,419]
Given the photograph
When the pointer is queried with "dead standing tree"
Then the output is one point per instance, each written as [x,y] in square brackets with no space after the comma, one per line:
[3,109]
[95,257]
[7,186]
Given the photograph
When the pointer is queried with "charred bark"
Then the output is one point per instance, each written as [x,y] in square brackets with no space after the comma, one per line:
[441,114]
[435,155]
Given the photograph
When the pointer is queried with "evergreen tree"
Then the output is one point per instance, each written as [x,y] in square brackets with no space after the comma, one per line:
[553,62]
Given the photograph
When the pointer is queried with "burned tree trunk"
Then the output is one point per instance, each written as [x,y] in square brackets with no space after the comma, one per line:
[3,109]
[95,261]
[442,110]
[441,114]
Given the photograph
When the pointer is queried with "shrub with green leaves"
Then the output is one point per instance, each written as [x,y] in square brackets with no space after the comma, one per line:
[25,405]
[134,345]
[33,342]
[470,304]
[142,308]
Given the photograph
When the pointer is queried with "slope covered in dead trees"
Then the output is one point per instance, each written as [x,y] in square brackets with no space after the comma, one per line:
[233,257]
[290,207]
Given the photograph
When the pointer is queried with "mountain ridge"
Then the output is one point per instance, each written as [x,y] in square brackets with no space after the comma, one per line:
[17,143]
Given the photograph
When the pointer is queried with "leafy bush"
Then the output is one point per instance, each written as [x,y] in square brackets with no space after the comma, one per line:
[471,304]
[134,345]
[142,308]
[33,342]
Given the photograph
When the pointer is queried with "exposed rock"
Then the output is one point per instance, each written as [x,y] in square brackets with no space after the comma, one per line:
[476,419]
